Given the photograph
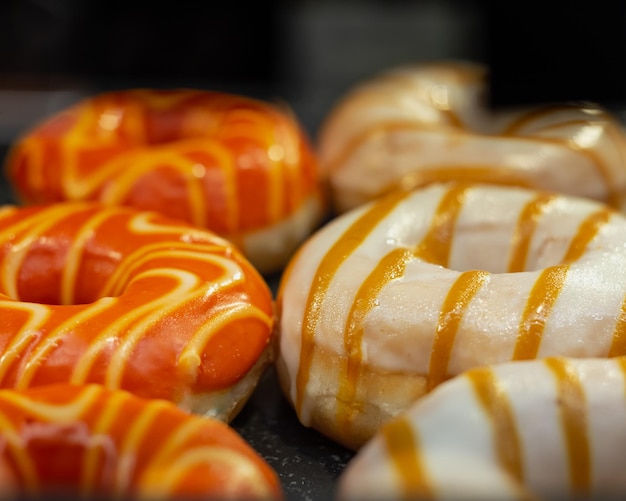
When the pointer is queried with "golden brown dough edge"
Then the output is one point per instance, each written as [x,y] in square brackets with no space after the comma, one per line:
[380,395]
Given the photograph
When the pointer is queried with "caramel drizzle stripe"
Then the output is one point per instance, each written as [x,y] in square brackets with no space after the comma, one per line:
[411,126]
[538,307]
[548,286]
[525,229]
[454,307]
[552,127]
[435,248]
[618,343]
[493,398]
[362,137]
[330,263]
[436,244]
[131,441]
[574,421]
[373,130]
[390,267]
[527,226]
[587,231]
[402,444]
[502,176]
[229,459]
[531,115]
[612,198]
[146,163]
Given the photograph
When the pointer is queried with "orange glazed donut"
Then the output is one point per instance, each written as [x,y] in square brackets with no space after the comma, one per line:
[130,299]
[90,442]
[391,299]
[240,167]
[428,122]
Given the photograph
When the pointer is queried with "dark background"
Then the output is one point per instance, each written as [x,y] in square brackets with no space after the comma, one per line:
[307,54]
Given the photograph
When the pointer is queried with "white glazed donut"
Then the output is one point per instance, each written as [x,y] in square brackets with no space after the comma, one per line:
[392,298]
[540,429]
[429,122]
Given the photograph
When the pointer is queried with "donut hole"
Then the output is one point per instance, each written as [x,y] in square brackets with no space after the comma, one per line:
[505,230]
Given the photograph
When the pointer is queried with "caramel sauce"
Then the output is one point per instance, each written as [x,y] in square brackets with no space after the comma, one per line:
[390,267]
[551,280]
[403,449]
[493,398]
[529,116]
[456,303]
[502,176]
[434,248]
[574,420]
[539,305]
[618,344]
[525,229]
[587,231]
[332,260]
[505,175]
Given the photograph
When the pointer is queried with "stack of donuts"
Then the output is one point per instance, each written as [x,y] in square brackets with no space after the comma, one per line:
[460,323]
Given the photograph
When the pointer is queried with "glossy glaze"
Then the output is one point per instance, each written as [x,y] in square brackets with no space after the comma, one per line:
[422,285]
[238,166]
[129,299]
[430,122]
[91,442]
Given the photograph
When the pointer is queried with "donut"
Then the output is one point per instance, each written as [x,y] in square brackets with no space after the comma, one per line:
[89,442]
[416,124]
[392,298]
[240,167]
[540,429]
[130,299]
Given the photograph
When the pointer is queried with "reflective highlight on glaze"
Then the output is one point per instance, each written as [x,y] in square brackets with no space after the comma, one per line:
[485,434]
[224,162]
[127,299]
[428,122]
[402,446]
[345,339]
[327,269]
